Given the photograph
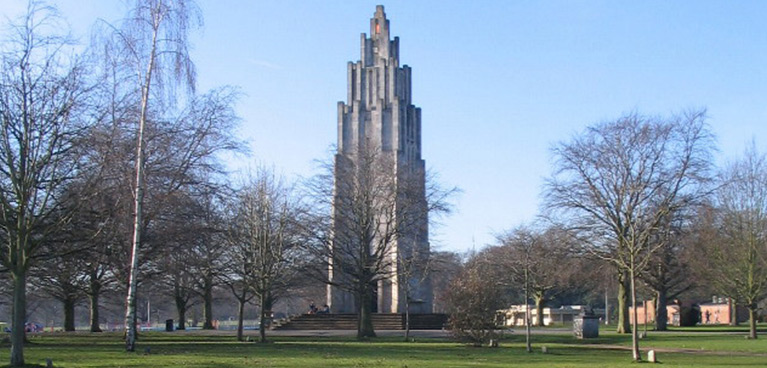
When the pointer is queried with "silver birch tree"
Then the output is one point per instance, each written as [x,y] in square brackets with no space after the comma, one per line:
[154,41]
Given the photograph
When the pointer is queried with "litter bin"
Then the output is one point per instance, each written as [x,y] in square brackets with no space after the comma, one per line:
[169,325]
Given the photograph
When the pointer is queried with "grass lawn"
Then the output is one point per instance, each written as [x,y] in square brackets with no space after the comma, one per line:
[190,350]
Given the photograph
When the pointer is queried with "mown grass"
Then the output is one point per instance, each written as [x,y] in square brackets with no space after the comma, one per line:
[189,350]
[705,342]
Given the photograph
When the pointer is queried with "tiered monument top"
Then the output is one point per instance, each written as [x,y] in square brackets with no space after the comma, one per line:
[378,109]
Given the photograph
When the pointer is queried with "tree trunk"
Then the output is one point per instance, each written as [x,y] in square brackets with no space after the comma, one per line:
[661,311]
[733,312]
[624,324]
[407,318]
[539,301]
[135,327]
[19,317]
[240,317]
[266,310]
[93,296]
[528,334]
[69,313]
[607,308]
[195,317]
[365,318]
[634,335]
[130,314]
[181,309]
[180,299]
[130,303]
[207,309]
[752,322]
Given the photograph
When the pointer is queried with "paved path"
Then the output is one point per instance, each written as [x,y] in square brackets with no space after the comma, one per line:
[321,333]
[644,349]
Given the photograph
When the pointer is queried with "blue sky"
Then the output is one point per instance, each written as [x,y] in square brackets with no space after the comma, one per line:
[498,81]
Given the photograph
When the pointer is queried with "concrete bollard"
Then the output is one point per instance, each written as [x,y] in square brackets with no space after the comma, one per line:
[651,356]
[544,350]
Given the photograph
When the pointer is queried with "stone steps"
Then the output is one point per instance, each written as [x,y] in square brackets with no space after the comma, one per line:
[381,321]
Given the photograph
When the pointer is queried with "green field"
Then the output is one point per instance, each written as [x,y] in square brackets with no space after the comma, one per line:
[675,349]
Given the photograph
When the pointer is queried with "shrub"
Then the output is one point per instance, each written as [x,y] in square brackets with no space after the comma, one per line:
[474,297]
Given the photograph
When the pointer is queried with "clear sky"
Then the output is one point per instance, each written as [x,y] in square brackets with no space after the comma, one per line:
[498,81]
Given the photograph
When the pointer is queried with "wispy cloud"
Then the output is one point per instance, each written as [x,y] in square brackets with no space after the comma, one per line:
[265,64]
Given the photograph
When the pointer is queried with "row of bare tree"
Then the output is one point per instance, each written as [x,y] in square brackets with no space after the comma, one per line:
[108,173]
[112,178]
[639,194]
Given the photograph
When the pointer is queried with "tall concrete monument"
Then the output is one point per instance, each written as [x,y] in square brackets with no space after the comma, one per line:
[379,114]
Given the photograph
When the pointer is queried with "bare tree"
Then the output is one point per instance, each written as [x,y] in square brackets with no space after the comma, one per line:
[59,271]
[356,243]
[96,224]
[415,264]
[107,152]
[374,206]
[103,211]
[207,254]
[40,91]
[184,231]
[445,266]
[520,253]
[365,228]
[737,254]
[619,182]
[154,42]
[667,272]
[181,165]
[61,277]
[541,259]
[236,278]
[179,280]
[266,241]
[414,268]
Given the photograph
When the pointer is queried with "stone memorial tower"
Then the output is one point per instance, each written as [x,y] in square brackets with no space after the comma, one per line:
[379,114]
